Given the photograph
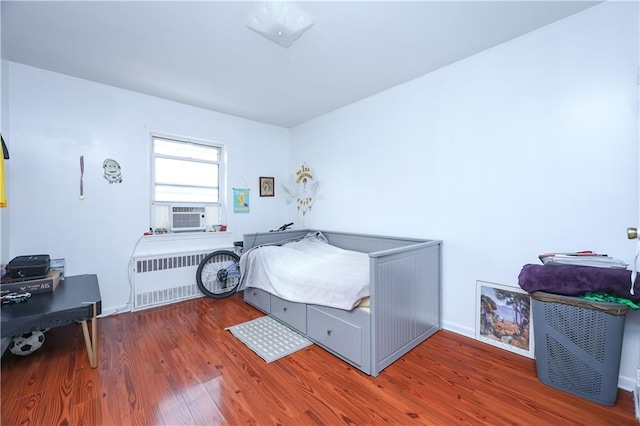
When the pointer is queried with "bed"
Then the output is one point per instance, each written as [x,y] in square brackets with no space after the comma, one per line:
[403,309]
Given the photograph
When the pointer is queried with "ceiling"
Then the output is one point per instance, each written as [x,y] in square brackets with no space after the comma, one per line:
[202,53]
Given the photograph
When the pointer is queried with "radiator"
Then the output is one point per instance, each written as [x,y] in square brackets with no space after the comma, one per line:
[164,279]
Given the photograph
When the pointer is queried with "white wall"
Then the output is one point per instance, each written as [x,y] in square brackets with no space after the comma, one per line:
[526,148]
[55,119]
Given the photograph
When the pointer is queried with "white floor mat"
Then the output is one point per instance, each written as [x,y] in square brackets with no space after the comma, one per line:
[268,338]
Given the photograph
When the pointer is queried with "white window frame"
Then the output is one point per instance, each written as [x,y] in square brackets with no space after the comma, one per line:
[215,211]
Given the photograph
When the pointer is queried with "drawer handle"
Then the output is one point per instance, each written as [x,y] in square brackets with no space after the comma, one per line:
[284,309]
[329,332]
[255,293]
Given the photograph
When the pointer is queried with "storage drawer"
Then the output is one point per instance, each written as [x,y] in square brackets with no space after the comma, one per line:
[258,298]
[337,335]
[291,313]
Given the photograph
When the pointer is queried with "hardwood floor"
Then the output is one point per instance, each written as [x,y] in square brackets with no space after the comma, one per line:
[176,365]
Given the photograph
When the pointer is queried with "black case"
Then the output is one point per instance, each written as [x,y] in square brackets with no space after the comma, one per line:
[35,266]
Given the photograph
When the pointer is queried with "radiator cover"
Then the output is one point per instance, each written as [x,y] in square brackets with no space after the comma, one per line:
[163,279]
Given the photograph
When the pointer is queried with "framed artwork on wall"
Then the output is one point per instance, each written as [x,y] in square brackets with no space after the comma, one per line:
[267,187]
[240,200]
[503,317]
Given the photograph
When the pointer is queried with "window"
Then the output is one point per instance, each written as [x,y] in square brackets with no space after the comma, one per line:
[187,184]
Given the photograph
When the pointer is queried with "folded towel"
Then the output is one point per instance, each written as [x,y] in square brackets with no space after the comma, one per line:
[572,280]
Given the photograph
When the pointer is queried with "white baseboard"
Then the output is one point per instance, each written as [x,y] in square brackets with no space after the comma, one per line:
[458,329]
[113,311]
[626,383]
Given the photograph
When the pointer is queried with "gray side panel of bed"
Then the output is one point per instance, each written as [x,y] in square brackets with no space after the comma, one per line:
[407,283]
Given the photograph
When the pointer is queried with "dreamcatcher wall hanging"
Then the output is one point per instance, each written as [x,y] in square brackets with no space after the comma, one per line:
[302,188]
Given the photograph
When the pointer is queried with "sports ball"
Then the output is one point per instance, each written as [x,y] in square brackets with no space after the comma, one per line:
[26,344]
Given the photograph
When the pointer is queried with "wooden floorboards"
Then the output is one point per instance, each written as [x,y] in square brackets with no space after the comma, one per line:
[177,365]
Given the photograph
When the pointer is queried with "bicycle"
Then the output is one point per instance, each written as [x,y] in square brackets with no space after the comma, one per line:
[283,227]
[218,274]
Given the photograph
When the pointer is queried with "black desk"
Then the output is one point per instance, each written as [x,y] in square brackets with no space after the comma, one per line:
[77,299]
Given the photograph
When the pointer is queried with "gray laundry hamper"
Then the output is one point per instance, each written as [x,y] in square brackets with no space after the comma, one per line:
[578,344]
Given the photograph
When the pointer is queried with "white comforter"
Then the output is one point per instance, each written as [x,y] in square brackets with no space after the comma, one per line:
[308,271]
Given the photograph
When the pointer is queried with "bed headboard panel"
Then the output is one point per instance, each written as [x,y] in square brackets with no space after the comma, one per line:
[258,238]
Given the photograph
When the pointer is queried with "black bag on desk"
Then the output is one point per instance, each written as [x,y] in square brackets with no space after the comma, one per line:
[29,266]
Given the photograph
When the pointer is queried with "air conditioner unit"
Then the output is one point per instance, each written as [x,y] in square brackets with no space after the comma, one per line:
[187,218]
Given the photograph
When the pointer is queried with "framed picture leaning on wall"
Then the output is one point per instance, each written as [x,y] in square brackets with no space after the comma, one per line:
[267,187]
[503,317]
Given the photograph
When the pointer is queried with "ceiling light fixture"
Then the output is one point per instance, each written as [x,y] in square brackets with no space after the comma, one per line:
[279,23]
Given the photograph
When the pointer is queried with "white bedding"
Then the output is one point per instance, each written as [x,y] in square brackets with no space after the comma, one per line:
[308,270]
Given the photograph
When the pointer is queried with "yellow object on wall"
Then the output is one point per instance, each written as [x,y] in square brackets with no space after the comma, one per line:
[3,195]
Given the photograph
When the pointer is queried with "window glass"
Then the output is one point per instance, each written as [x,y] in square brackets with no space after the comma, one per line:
[185,194]
[186,150]
[181,172]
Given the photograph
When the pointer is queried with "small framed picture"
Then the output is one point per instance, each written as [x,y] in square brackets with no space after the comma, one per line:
[503,317]
[267,187]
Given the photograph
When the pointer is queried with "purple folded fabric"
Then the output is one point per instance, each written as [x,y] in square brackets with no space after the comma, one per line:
[572,280]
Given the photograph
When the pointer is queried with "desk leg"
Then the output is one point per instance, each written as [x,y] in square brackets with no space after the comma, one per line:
[91,341]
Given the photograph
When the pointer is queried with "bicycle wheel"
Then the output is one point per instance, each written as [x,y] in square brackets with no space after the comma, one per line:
[218,274]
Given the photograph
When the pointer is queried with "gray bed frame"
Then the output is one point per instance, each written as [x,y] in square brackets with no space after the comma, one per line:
[405,293]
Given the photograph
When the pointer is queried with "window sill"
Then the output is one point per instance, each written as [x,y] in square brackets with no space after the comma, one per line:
[177,236]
